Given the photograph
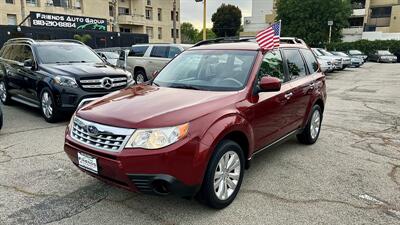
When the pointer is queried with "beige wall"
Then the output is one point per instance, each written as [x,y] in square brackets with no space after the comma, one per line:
[136,21]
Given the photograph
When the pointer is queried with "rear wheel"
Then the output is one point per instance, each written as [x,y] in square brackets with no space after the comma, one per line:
[5,98]
[48,107]
[311,132]
[224,175]
[140,76]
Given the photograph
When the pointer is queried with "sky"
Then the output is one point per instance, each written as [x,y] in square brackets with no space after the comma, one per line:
[192,11]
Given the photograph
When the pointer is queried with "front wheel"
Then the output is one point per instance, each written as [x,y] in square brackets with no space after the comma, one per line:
[224,175]
[48,106]
[311,132]
[4,95]
[140,77]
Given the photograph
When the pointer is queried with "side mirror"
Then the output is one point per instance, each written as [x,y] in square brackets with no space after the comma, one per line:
[270,84]
[28,63]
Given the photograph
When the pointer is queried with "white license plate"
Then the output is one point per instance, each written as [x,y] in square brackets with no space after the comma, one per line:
[87,162]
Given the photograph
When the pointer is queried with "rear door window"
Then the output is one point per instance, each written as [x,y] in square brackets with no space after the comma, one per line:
[138,51]
[160,52]
[272,65]
[173,51]
[311,61]
[295,63]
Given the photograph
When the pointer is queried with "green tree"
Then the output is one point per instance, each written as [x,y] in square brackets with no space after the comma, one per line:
[83,38]
[189,33]
[227,21]
[210,35]
[308,19]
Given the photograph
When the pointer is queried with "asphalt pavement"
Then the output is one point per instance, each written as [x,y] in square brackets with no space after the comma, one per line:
[350,176]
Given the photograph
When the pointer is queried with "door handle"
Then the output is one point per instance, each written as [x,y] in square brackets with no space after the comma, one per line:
[288,95]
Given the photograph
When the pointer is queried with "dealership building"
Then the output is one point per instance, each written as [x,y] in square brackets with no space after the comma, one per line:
[49,19]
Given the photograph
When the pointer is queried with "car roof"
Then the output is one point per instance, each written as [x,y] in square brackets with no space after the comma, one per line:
[248,45]
[163,44]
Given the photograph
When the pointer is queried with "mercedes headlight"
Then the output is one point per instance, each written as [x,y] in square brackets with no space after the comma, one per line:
[157,138]
[65,81]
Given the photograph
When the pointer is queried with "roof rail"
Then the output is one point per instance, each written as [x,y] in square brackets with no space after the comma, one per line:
[20,40]
[223,40]
[292,40]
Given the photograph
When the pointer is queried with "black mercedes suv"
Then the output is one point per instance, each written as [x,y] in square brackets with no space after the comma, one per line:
[55,75]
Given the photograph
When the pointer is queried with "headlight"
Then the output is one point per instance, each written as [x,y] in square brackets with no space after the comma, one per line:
[130,76]
[65,81]
[157,138]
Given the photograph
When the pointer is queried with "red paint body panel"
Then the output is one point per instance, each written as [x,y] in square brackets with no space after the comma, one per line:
[262,118]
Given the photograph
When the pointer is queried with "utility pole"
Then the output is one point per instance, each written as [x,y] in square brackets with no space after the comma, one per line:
[174,21]
[23,14]
[204,18]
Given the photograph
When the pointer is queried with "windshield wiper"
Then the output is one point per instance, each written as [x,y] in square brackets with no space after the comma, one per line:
[184,86]
[81,61]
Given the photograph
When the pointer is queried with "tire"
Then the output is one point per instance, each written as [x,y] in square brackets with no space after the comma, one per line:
[311,133]
[1,119]
[215,197]
[140,76]
[5,97]
[48,108]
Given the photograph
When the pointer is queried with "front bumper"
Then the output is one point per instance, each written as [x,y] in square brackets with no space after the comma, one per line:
[388,60]
[176,169]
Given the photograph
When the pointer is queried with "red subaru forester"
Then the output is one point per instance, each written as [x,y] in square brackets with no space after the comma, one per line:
[195,127]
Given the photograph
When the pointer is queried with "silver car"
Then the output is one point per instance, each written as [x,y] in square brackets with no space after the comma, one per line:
[145,59]
[336,61]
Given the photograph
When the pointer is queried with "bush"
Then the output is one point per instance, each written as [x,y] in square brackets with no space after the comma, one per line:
[367,47]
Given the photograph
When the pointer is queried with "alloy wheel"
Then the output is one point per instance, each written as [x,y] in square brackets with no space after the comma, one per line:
[139,78]
[315,124]
[3,91]
[47,105]
[227,175]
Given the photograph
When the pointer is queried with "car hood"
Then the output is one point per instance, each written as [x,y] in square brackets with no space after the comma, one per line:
[145,106]
[77,70]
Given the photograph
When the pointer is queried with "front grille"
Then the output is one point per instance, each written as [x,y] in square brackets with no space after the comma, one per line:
[100,136]
[103,83]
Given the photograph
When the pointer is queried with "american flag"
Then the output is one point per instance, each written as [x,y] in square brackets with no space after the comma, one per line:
[269,38]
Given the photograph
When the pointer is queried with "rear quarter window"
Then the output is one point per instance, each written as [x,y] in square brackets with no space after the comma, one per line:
[311,61]
[160,52]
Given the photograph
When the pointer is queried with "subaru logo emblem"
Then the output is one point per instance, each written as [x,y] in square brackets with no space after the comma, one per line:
[107,83]
[92,130]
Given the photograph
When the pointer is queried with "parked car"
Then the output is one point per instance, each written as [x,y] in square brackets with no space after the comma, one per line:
[110,57]
[357,53]
[397,54]
[145,59]
[326,66]
[55,76]
[195,128]
[383,56]
[346,61]
[354,61]
[336,61]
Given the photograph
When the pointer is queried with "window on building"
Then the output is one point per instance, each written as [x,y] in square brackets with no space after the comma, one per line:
[150,32]
[10,1]
[123,11]
[356,22]
[159,14]
[149,13]
[380,12]
[148,2]
[78,4]
[160,33]
[126,30]
[111,10]
[61,3]
[177,15]
[172,33]
[31,2]
[11,19]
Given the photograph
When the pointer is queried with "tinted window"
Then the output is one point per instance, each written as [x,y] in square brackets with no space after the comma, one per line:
[215,70]
[19,53]
[159,52]
[311,61]
[295,63]
[66,53]
[6,52]
[173,51]
[138,51]
[272,65]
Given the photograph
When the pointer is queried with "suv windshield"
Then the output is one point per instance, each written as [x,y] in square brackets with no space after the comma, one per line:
[325,52]
[355,52]
[384,53]
[214,70]
[66,53]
